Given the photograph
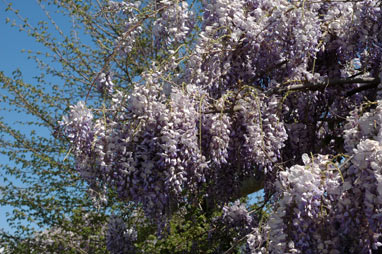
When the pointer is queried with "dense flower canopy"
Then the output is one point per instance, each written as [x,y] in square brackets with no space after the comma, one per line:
[283,92]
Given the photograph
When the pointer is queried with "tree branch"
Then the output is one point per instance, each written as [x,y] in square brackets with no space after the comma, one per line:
[361,88]
[251,185]
[308,86]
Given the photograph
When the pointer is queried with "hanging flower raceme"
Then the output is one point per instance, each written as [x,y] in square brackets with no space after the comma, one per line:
[82,131]
[253,40]
[132,25]
[300,222]
[119,238]
[361,202]
[174,23]
[237,217]
[241,137]
[148,147]
[325,207]
[105,83]
[264,134]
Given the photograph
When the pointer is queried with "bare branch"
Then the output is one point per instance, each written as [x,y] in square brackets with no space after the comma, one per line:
[308,86]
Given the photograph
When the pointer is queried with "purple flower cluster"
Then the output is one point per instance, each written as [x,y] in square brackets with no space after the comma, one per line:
[233,224]
[164,148]
[237,217]
[256,241]
[362,127]
[82,134]
[105,83]
[119,239]
[361,201]
[359,209]
[131,27]
[324,207]
[365,38]
[299,223]
[216,132]
[245,142]
[247,40]
[222,119]
[174,24]
[264,132]
[79,128]
[148,150]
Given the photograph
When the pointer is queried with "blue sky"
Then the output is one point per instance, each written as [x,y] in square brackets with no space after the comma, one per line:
[12,42]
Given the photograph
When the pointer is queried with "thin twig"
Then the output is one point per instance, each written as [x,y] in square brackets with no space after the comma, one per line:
[116,49]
